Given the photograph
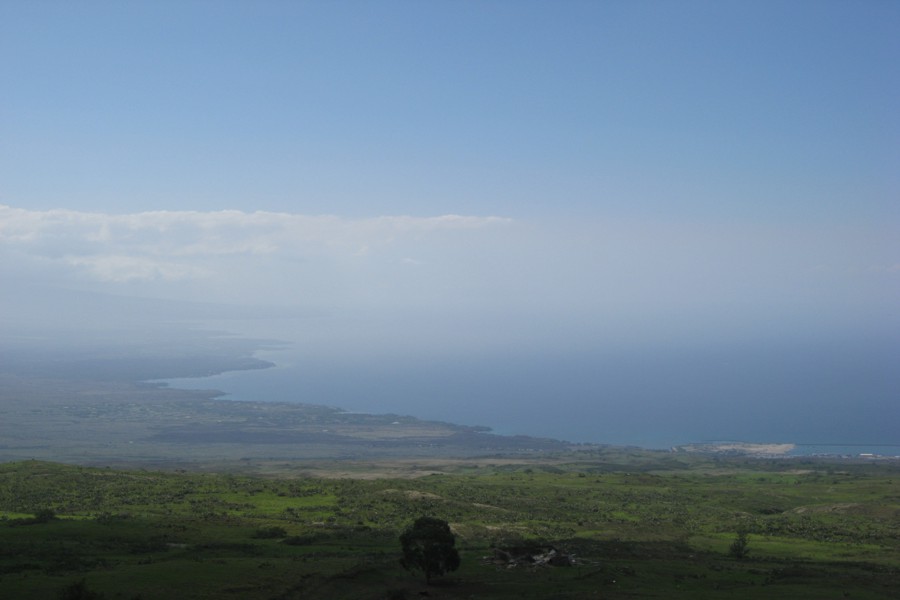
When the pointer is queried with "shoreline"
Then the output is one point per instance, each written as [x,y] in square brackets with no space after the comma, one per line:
[792,450]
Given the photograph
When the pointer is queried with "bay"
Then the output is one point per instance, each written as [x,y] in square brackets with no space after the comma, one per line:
[766,391]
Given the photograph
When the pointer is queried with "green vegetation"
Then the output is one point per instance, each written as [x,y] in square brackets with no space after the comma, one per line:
[650,525]
[739,547]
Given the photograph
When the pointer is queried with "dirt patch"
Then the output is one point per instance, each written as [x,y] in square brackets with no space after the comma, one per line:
[840,508]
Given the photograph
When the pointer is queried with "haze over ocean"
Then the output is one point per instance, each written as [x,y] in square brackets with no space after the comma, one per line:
[628,222]
[839,391]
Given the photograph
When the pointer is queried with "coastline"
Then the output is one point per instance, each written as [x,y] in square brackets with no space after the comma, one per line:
[792,450]
[759,450]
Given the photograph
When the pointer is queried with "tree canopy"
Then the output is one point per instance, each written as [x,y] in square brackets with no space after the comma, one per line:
[429,546]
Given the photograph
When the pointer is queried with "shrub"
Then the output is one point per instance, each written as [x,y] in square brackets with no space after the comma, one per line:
[45,515]
[738,548]
[268,533]
[79,590]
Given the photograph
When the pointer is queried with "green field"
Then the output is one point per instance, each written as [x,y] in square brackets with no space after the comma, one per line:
[636,524]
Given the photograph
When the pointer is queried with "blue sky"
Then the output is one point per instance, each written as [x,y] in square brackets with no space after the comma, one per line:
[600,129]
[768,111]
[510,176]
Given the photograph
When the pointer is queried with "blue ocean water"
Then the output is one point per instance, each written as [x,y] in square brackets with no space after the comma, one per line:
[819,396]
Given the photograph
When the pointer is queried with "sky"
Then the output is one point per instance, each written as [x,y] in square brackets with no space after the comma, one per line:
[503,174]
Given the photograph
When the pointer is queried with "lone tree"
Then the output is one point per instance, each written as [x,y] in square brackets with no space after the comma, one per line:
[430,546]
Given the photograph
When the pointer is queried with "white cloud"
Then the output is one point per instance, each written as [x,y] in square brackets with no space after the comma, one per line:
[174,245]
[113,268]
[895,268]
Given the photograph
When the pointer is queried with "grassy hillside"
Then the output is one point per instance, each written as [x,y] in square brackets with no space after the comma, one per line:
[650,525]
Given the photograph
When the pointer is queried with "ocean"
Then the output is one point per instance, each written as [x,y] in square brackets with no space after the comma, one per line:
[831,393]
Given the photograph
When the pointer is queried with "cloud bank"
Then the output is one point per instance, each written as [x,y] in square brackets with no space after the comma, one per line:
[183,245]
[569,278]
